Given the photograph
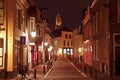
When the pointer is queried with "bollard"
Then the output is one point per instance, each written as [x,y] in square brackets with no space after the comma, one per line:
[35,73]
[43,68]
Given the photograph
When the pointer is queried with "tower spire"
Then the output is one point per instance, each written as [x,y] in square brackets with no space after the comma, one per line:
[58,21]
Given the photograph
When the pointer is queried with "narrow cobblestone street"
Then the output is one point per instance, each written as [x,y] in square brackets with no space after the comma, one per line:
[63,69]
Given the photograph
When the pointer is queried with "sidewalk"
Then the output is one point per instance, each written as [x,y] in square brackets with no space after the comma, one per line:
[39,73]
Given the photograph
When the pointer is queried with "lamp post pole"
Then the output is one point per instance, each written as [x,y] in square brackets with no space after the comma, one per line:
[79,50]
[43,58]
[33,34]
[35,59]
[44,51]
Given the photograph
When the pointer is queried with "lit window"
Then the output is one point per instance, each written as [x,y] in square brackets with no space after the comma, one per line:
[1,52]
[68,49]
[32,24]
[64,50]
[71,51]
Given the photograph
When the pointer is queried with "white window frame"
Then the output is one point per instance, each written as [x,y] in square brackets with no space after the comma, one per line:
[32,24]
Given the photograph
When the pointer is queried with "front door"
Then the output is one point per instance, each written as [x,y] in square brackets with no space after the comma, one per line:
[117,60]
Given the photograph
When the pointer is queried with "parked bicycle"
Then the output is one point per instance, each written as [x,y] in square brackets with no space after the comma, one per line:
[24,72]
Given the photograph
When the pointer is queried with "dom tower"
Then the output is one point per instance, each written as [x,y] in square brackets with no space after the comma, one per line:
[58,21]
[62,39]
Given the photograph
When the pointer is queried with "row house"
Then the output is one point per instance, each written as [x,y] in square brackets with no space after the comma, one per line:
[62,42]
[101,39]
[19,18]
[77,44]
[46,41]
[114,38]
[62,39]
[67,43]
[96,40]
[87,41]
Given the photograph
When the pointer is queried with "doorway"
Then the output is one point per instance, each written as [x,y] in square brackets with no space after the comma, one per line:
[117,60]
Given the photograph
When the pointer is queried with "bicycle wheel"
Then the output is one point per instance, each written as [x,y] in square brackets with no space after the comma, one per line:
[29,75]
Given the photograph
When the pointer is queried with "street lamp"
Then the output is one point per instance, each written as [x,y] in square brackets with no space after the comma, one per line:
[46,51]
[33,34]
[45,44]
[50,49]
[80,52]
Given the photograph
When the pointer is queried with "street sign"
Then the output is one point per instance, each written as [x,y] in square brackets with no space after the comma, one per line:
[22,40]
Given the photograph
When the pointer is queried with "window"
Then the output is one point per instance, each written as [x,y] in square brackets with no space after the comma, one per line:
[70,36]
[66,36]
[64,43]
[67,43]
[23,21]
[18,18]
[32,24]
[96,22]
[117,39]
[71,51]
[64,51]
[71,42]
[119,11]
[1,11]
[1,52]
[94,25]
[96,49]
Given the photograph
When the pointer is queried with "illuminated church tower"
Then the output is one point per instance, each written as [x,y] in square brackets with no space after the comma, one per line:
[58,21]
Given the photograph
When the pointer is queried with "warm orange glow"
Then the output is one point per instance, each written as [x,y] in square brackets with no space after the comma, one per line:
[80,50]
[59,51]
[46,43]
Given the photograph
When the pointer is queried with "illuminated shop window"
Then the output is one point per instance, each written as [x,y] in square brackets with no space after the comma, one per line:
[1,52]
[65,51]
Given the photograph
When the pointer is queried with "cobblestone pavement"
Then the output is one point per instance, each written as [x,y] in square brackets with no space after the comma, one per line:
[64,69]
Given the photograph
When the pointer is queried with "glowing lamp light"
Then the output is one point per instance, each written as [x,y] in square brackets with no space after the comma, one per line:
[51,47]
[60,50]
[80,50]
[46,44]
[33,33]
